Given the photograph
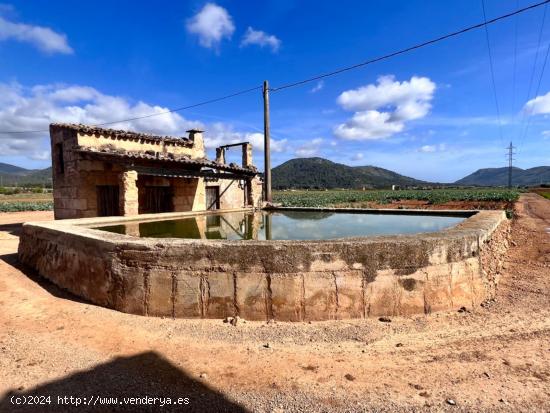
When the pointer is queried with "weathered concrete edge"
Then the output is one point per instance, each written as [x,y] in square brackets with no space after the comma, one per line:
[142,275]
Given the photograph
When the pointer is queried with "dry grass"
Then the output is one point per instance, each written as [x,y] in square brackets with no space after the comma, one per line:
[27,198]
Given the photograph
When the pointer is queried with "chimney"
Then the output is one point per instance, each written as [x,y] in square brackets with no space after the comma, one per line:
[220,156]
[247,155]
[195,135]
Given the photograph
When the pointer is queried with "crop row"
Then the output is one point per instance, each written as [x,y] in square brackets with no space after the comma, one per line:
[25,206]
[436,196]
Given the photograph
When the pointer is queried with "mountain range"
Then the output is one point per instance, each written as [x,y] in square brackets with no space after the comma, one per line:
[15,175]
[320,173]
[499,177]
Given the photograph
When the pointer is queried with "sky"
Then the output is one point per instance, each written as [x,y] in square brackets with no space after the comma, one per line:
[430,114]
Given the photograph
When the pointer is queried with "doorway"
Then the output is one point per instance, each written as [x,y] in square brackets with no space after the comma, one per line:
[156,199]
[212,197]
[108,200]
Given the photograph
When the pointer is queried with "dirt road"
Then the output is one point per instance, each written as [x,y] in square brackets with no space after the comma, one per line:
[496,358]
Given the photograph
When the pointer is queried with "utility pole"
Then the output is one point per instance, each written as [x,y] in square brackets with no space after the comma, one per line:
[267,153]
[510,156]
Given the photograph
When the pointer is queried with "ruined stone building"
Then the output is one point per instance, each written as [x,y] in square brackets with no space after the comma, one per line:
[106,172]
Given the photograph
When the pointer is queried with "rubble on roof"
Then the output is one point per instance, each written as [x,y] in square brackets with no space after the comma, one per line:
[110,150]
[121,134]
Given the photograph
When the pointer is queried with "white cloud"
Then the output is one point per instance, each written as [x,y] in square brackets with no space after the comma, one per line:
[538,106]
[382,110]
[428,148]
[34,108]
[72,94]
[257,141]
[433,148]
[311,148]
[211,24]
[220,133]
[369,125]
[546,134]
[357,157]
[42,38]
[40,155]
[260,38]
[318,86]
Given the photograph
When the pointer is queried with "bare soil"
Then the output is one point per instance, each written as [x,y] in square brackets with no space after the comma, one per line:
[545,192]
[496,358]
[27,198]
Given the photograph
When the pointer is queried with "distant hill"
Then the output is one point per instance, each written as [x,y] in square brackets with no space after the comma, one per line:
[9,169]
[12,175]
[322,173]
[499,177]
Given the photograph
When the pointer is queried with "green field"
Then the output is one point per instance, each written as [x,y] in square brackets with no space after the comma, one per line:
[25,206]
[545,194]
[44,202]
[26,202]
[435,196]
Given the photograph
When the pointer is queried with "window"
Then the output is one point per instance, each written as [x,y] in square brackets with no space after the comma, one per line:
[60,162]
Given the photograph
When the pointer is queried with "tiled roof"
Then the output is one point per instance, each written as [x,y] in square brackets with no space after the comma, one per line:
[120,134]
[113,153]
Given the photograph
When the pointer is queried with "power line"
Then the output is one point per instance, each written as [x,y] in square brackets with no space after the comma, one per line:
[411,48]
[492,72]
[515,60]
[242,92]
[522,130]
[541,30]
[528,123]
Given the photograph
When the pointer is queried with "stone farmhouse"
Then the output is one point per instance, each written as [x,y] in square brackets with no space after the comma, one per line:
[106,172]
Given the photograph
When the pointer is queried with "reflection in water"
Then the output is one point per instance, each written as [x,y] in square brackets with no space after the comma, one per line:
[287,225]
[311,215]
[268,222]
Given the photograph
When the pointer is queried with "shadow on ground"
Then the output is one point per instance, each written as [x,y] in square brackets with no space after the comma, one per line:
[13,229]
[145,374]
[13,261]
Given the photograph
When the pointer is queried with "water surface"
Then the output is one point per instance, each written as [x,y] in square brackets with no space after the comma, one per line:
[287,225]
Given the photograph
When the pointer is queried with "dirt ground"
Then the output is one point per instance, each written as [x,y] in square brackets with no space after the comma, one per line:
[496,358]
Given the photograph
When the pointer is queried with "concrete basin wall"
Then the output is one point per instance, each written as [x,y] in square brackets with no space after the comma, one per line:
[261,280]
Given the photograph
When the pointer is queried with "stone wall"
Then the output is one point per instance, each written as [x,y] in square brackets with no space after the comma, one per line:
[62,141]
[283,280]
[129,195]
[196,151]
[75,178]
[256,191]
[92,174]
[231,195]
[185,192]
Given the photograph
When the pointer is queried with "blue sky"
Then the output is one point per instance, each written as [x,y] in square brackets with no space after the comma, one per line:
[429,114]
